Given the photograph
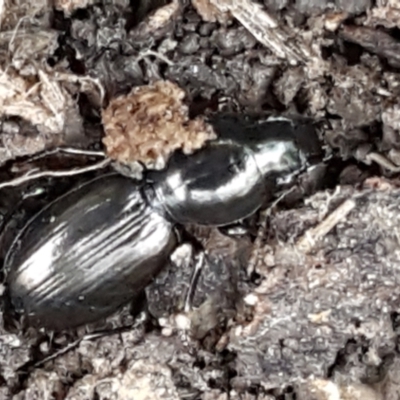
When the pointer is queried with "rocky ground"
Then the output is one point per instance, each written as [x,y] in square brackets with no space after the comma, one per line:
[303,306]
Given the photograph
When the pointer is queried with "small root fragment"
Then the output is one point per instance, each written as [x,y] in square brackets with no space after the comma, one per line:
[382,161]
[308,241]
[54,174]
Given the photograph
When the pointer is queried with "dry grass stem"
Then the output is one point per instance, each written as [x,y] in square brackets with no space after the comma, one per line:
[312,236]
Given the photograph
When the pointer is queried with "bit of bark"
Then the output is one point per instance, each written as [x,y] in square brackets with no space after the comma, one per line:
[375,41]
[158,23]
[150,123]
[260,24]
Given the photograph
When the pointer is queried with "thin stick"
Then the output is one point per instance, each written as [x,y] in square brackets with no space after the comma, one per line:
[68,150]
[54,174]
[307,242]
[148,53]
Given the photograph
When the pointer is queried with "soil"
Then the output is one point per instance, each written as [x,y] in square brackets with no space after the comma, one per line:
[301,304]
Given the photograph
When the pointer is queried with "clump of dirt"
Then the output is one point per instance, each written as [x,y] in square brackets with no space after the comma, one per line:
[150,123]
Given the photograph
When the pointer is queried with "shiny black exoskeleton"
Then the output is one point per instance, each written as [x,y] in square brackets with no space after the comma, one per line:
[93,249]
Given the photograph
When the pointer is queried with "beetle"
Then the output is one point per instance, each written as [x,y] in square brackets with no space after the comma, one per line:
[92,250]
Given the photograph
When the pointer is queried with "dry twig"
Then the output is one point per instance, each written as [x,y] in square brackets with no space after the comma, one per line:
[54,174]
[264,28]
[312,236]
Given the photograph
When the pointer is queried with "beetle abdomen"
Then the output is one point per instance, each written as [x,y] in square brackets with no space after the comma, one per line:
[98,247]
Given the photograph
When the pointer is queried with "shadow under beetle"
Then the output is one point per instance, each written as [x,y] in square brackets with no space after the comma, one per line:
[93,249]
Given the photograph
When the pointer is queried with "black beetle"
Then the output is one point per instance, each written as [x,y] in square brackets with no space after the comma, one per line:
[96,247]
[87,253]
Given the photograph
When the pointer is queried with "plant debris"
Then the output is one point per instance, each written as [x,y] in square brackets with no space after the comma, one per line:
[377,42]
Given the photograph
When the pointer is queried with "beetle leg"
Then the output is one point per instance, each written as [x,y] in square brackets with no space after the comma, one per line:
[136,325]
[200,259]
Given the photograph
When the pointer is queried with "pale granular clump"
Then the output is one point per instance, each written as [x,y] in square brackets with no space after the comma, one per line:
[210,12]
[149,123]
[69,6]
